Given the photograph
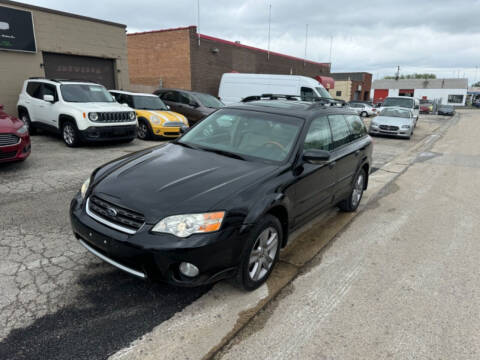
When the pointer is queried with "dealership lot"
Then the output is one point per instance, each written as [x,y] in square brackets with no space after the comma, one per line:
[56,298]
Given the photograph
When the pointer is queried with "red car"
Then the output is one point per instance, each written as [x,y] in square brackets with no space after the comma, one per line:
[14,138]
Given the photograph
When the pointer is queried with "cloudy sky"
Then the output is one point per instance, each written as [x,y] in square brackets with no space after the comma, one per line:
[439,36]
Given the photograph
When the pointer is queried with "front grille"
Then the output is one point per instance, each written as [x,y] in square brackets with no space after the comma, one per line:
[174,124]
[112,117]
[388,127]
[171,133]
[115,214]
[7,155]
[8,139]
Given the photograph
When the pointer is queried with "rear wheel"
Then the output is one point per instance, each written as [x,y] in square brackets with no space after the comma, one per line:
[70,134]
[363,114]
[261,253]
[351,203]
[26,120]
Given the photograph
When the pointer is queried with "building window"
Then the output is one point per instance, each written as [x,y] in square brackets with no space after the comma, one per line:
[339,93]
[455,99]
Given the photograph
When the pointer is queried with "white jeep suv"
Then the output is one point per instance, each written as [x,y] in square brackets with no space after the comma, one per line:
[79,111]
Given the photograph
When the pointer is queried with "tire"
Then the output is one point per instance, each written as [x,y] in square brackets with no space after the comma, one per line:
[265,240]
[351,203]
[363,114]
[26,120]
[144,132]
[70,134]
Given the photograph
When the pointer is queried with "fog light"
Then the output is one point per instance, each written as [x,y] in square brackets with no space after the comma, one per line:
[188,269]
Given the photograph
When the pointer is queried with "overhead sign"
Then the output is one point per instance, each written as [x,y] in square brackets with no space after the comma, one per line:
[16,30]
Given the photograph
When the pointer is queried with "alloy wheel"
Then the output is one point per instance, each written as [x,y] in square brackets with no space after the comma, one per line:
[69,134]
[142,130]
[263,254]
[358,190]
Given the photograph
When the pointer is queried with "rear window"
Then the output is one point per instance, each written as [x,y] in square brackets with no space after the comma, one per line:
[406,102]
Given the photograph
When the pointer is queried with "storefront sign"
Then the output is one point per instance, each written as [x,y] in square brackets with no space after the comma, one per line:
[16,30]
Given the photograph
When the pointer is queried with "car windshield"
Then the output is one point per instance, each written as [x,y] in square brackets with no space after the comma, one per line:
[406,103]
[323,93]
[402,113]
[245,134]
[143,102]
[446,107]
[209,101]
[84,93]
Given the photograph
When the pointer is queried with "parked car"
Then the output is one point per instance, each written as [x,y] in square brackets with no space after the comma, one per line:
[396,121]
[194,105]
[221,200]
[79,111]
[446,110]
[234,87]
[403,101]
[14,138]
[363,109]
[477,104]
[426,108]
[154,117]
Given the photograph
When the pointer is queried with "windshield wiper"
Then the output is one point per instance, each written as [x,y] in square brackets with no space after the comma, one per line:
[224,153]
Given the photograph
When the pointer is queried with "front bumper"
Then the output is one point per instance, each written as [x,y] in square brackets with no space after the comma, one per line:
[16,152]
[399,133]
[105,133]
[168,131]
[157,257]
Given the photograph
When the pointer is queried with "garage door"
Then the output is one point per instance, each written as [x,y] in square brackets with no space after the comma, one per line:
[85,68]
[379,95]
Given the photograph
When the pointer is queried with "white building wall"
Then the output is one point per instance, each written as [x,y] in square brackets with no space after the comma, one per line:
[392,92]
[442,94]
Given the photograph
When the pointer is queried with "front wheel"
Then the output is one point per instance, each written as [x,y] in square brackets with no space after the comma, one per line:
[70,134]
[26,120]
[143,130]
[363,114]
[351,203]
[261,253]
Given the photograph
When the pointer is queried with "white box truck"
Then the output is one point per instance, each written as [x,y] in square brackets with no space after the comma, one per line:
[234,87]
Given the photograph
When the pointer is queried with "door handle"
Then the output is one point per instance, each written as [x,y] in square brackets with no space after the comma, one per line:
[332,164]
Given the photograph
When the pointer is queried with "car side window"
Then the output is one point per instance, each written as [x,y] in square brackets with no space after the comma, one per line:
[170,96]
[34,89]
[129,101]
[319,135]
[340,130]
[184,98]
[49,89]
[307,94]
[357,126]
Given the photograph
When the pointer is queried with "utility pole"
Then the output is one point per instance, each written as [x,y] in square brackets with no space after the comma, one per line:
[198,21]
[269,22]
[397,76]
[306,43]
[330,57]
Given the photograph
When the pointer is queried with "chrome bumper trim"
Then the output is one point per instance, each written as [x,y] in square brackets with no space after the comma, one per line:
[106,222]
[112,262]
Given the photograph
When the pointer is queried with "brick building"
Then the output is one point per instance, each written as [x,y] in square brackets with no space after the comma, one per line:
[57,44]
[352,86]
[182,58]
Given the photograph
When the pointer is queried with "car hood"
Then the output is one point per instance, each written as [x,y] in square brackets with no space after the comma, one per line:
[164,115]
[9,124]
[100,107]
[391,120]
[174,179]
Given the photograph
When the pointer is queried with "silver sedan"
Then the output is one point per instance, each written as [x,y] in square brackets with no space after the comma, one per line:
[394,121]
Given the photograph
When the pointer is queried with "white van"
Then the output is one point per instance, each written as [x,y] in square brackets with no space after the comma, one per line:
[234,87]
[403,101]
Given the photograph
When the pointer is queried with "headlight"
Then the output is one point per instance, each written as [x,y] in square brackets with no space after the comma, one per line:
[93,116]
[22,130]
[84,188]
[155,119]
[132,115]
[186,225]
[405,126]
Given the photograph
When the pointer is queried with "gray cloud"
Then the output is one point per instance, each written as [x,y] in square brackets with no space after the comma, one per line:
[368,35]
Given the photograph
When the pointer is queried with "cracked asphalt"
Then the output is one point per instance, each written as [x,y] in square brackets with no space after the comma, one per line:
[59,302]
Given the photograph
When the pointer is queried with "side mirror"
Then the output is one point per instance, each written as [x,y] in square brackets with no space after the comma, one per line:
[314,156]
[194,104]
[49,98]
[124,104]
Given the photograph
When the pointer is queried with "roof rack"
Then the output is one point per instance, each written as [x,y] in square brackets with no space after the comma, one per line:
[61,80]
[41,78]
[271,97]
